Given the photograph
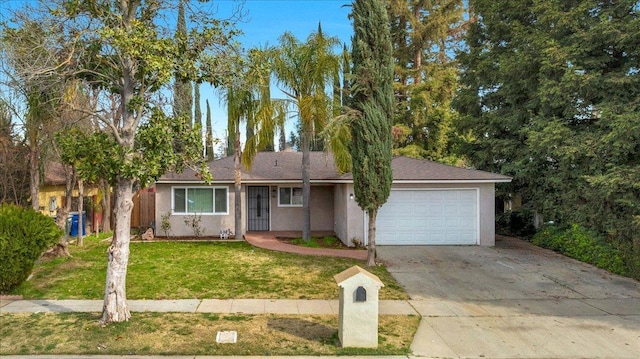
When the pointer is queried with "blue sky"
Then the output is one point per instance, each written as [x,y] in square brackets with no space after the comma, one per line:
[266,20]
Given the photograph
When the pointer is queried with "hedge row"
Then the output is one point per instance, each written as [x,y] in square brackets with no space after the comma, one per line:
[586,246]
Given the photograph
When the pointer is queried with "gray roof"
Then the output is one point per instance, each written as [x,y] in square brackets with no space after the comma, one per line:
[287,166]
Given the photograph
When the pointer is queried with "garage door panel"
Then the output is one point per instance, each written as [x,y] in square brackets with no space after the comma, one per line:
[422,211]
[450,210]
[467,196]
[468,211]
[439,217]
[435,224]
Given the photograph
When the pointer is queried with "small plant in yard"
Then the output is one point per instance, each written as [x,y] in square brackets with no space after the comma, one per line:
[193,221]
[165,224]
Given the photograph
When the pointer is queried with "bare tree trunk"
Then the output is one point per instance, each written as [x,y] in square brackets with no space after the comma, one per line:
[80,210]
[115,299]
[106,206]
[306,185]
[34,176]
[70,181]
[62,248]
[371,247]
[237,187]
[418,55]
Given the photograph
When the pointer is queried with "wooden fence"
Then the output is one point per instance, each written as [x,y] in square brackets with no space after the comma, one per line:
[144,210]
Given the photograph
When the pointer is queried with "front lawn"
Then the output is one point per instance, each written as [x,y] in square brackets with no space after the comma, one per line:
[183,270]
[192,334]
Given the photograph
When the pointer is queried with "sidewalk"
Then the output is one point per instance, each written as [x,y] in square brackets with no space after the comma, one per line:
[245,306]
[195,357]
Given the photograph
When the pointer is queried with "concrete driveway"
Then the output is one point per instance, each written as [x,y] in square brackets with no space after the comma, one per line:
[515,301]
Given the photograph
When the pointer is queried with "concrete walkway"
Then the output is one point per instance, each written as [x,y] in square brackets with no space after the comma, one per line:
[235,306]
[267,240]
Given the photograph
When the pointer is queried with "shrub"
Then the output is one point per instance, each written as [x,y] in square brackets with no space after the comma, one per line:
[193,221]
[24,235]
[165,223]
[517,223]
[584,245]
[630,253]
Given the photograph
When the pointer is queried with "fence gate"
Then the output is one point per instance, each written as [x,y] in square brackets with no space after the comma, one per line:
[144,210]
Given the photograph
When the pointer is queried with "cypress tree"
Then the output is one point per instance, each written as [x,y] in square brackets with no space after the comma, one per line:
[209,136]
[197,119]
[182,92]
[372,98]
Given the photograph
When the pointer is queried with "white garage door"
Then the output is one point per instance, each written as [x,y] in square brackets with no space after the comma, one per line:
[432,217]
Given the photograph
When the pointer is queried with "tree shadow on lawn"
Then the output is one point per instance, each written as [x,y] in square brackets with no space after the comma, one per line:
[304,329]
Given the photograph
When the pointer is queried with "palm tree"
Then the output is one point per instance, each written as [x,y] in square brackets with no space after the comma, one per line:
[306,72]
[249,101]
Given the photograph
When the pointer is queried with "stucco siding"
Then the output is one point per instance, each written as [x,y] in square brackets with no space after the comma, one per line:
[349,218]
[322,216]
[340,219]
[487,214]
[211,224]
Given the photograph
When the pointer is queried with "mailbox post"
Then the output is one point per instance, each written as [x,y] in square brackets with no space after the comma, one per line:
[358,313]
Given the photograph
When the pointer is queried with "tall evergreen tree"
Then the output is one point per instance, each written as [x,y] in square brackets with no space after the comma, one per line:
[209,135]
[197,112]
[425,35]
[182,88]
[231,141]
[372,97]
[551,94]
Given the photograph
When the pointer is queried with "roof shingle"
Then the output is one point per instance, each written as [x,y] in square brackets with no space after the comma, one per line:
[287,166]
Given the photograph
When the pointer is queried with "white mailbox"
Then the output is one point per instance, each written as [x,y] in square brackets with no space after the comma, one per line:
[358,314]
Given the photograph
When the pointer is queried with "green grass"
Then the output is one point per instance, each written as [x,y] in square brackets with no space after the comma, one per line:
[318,242]
[181,270]
[192,334]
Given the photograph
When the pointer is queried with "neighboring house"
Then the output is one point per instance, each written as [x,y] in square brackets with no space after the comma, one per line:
[430,203]
[51,195]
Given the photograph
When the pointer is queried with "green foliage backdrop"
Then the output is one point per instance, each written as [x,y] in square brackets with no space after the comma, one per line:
[551,94]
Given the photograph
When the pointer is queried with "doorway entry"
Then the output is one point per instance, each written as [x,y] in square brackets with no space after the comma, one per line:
[258,208]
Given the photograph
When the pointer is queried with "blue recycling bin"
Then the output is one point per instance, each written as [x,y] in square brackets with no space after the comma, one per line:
[75,216]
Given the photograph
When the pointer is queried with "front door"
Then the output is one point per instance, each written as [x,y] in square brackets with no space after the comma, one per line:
[258,208]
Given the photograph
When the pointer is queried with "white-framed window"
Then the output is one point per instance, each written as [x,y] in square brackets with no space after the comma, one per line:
[201,200]
[290,197]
